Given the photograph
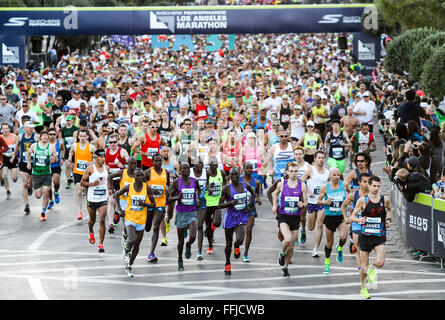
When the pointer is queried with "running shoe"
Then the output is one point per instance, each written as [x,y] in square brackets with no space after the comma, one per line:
[164,242]
[80,217]
[371,275]
[43,217]
[29,191]
[100,248]
[285,272]
[129,271]
[167,227]
[265,184]
[339,254]
[236,253]
[210,250]
[91,239]
[126,255]
[296,242]
[303,237]
[51,204]
[188,251]
[213,227]
[68,185]
[281,258]
[111,228]
[246,258]
[8,195]
[228,270]
[180,265]
[27,209]
[364,293]
[116,218]
[315,253]
[56,197]
[280,235]
[123,240]
[152,258]
[327,266]
[199,256]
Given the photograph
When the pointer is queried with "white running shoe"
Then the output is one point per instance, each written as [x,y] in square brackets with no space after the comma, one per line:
[315,253]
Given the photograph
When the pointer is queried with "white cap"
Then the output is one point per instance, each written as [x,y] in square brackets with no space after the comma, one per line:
[390,87]
[310,123]
[273,91]
[298,107]
[424,104]
[28,124]
[366,94]
[251,135]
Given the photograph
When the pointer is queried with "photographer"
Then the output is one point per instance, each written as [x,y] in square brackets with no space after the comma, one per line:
[412,183]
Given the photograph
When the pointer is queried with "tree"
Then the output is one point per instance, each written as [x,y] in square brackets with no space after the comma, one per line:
[421,50]
[412,14]
[398,51]
[432,80]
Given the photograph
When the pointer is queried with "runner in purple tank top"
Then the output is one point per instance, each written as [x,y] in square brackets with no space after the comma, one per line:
[293,198]
[184,190]
[234,197]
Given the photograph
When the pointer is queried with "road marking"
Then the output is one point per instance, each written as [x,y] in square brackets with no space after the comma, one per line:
[37,288]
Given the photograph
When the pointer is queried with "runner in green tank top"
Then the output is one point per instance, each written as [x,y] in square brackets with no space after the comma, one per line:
[216,180]
[44,154]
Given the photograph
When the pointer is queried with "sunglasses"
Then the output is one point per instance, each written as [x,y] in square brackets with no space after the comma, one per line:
[284,136]
[153,127]
[310,126]
[360,160]
[52,134]
[112,141]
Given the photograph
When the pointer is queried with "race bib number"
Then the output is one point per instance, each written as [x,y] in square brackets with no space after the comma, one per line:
[373,225]
[336,204]
[152,152]
[82,165]
[291,204]
[40,161]
[188,196]
[135,203]
[216,189]
[69,142]
[337,153]
[157,190]
[317,191]
[312,143]
[100,192]
[10,151]
[113,170]
[241,199]
[202,113]
[285,118]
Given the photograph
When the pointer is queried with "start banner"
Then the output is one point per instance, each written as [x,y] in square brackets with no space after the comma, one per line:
[72,20]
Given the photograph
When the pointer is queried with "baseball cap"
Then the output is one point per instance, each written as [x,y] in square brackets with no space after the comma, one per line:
[366,94]
[412,161]
[298,107]
[72,111]
[29,124]
[69,117]
[66,108]
[310,123]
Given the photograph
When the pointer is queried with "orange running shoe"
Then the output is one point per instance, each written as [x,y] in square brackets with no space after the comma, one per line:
[43,217]
[79,217]
[92,240]
[228,270]
[237,253]
[210,250]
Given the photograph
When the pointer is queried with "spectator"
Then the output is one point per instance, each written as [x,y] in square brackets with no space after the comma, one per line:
[410,110]
[437,144]
[411,183]
[429,161]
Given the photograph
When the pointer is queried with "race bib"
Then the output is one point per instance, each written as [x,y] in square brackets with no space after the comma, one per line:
[317,191]
[336,202]
[82,165]
[312,143]
[291,204]
[40,161]
[69,142]
[202,113]
[158,190]
[285,118]
[337,153]
[241,199]
[10,151]
[100,192]
[135,203]
[113,170]
[188,196]
[373,225]
[152,152]
[216,189]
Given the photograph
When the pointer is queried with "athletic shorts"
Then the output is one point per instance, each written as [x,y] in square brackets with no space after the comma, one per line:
[211,210]
[183,219]
[312,207]
[332,222]
[368,243]
[293,221]
[77,178]
[339,164]
[6,163]
[139,227]
[160,210]
[41,181]
[253,212]
[123,204]
[359,232]
[23,167]
[56,170]
[96,205]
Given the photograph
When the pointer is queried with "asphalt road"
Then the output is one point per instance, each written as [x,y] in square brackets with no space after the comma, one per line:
[53,260]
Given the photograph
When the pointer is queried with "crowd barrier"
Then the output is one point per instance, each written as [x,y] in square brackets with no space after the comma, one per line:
[421,222]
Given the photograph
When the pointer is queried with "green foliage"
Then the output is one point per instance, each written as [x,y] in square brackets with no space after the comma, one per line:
[422,51]
[433,76]
[412,14]
[399,50]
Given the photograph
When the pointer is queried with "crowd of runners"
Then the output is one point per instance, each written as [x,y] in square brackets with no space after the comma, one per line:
[149,137]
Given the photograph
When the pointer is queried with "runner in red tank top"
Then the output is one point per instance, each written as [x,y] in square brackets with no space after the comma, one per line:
[148,144]
[231,152]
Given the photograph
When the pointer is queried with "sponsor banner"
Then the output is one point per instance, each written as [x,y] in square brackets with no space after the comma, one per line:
[181,20]
[12,51]
[419,224]
[127,41]
[366,48]
[439,227]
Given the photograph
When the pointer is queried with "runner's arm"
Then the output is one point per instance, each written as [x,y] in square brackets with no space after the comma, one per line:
[320,201]
[275,197]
